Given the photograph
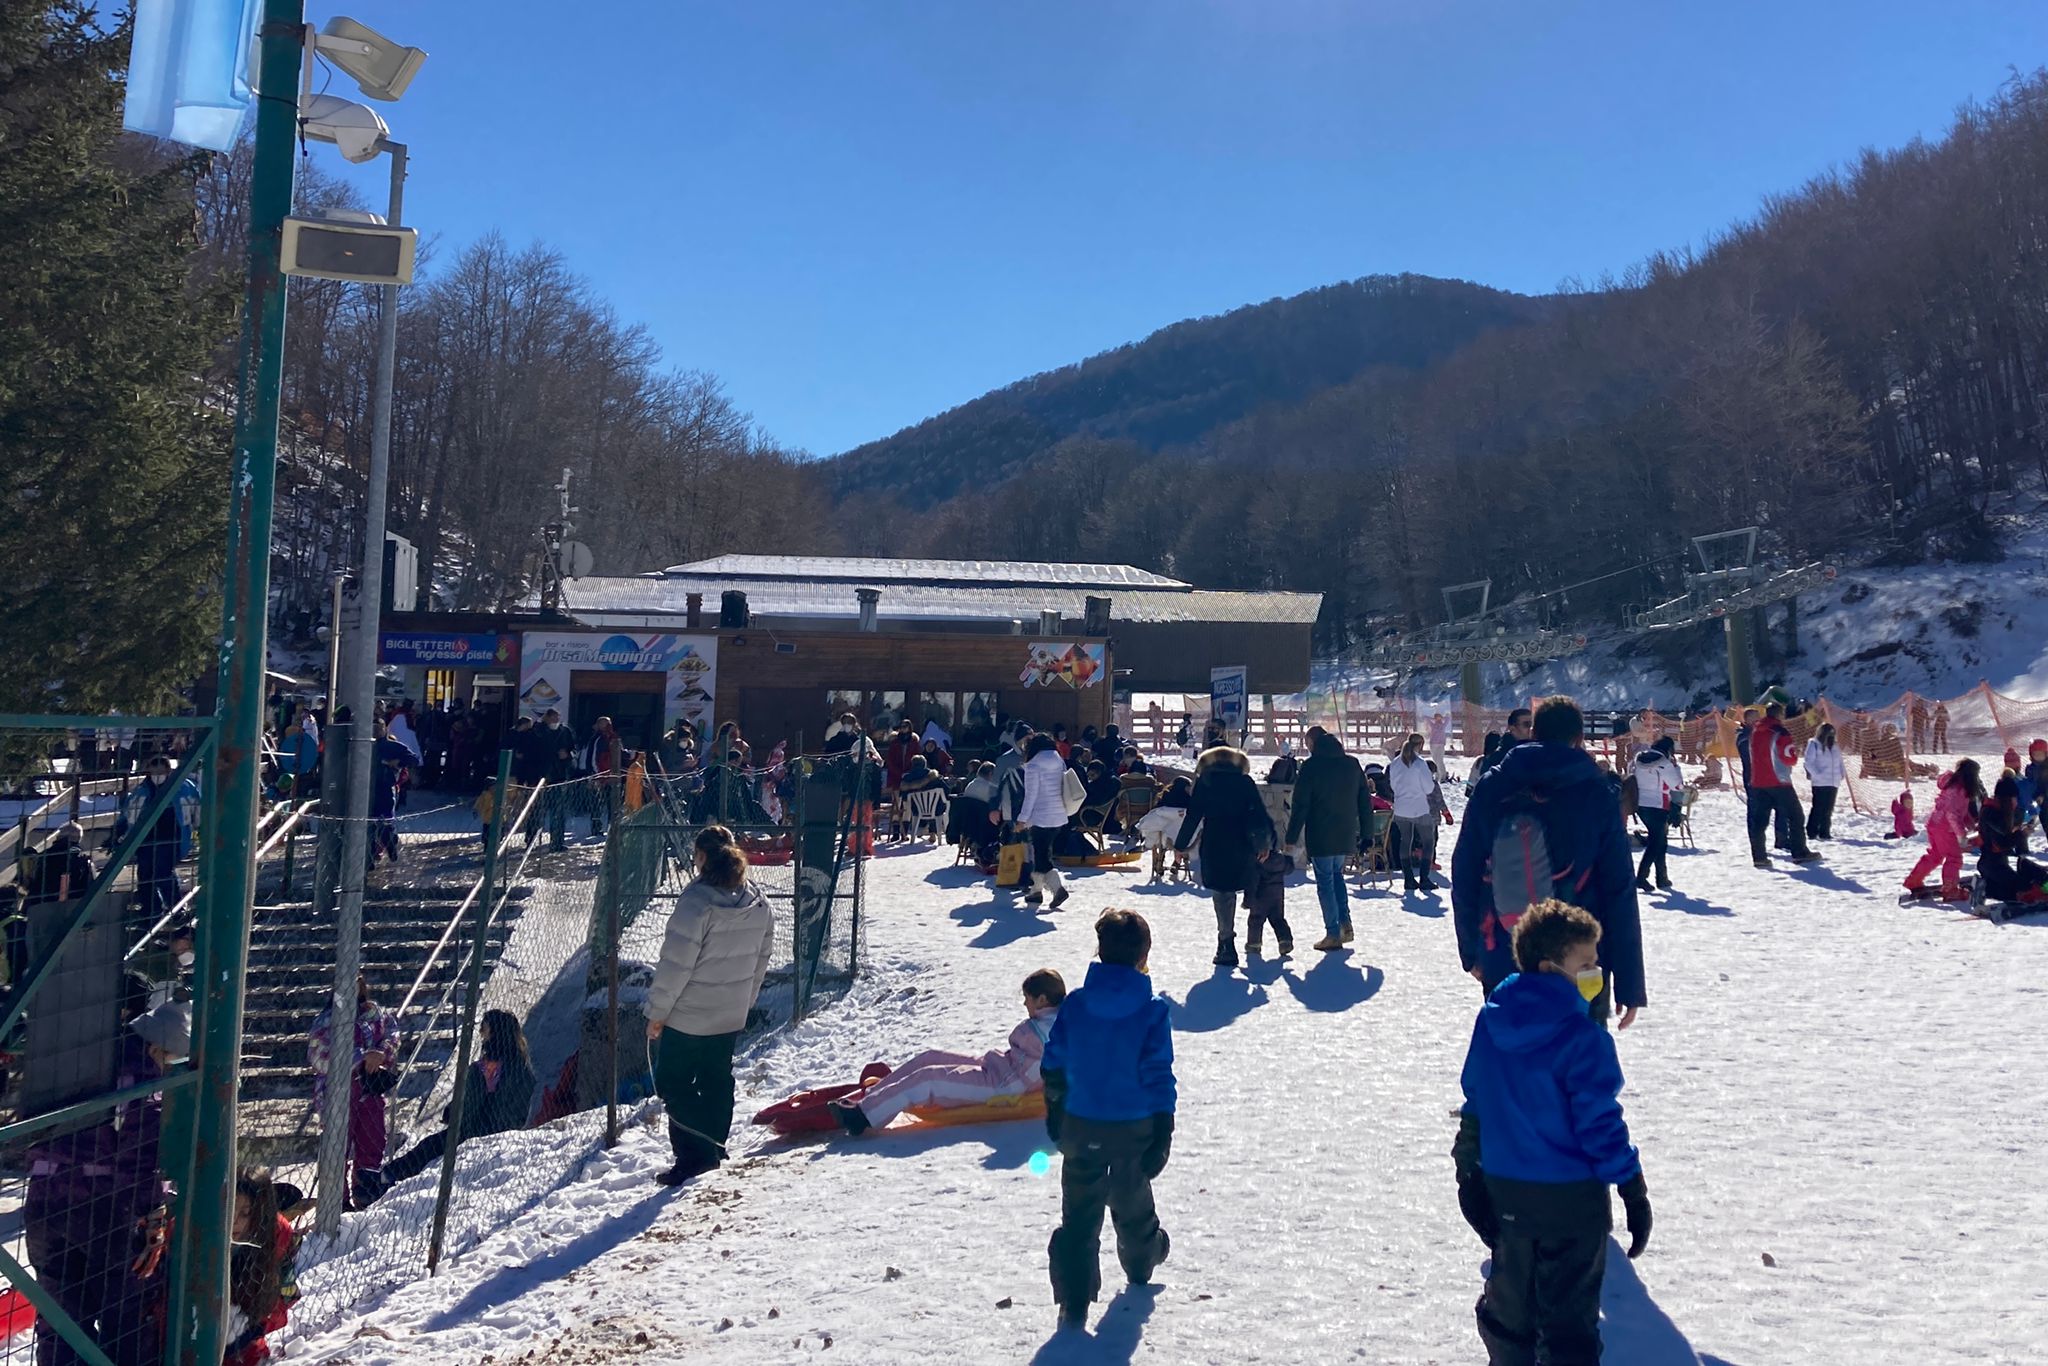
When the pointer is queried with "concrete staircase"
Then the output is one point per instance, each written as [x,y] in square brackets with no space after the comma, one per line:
[291,977]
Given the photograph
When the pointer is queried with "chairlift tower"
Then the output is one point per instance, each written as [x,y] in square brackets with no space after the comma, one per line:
[1730,587]
[1470,637]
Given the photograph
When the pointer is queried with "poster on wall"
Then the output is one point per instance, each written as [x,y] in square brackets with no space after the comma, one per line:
[547,660]
[1227,698]
[1051,662]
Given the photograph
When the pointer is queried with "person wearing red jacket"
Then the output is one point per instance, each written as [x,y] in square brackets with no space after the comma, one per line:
[1773,755]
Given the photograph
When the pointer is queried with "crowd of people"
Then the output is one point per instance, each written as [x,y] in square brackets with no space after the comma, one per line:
[1544,881]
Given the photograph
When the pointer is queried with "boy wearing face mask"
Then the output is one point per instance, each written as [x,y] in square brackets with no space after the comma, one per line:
[1540,1139]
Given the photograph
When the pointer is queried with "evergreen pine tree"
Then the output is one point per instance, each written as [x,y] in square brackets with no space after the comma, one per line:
[113,443]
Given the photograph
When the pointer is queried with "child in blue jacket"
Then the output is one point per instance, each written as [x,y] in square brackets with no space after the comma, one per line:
[1540,1140]
[1109,1097]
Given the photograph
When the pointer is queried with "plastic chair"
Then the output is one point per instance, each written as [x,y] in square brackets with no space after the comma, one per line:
[923,806]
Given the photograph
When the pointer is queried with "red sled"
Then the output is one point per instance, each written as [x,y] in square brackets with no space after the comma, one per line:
[807,1112]
[17,1315]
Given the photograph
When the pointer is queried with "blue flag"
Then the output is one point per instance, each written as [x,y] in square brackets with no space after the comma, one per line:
[188,76]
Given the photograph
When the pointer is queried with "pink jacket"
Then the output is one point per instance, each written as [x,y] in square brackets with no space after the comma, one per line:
[1016,1067]
[1902,817]
[1949,824]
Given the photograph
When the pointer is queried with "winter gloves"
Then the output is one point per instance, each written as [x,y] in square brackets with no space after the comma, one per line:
[1635,1203]
[1055,1079]
[1154,1161]
[1475,1202]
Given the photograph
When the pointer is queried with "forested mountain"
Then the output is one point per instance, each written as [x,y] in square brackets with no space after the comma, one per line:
[1863,364]
[1183,382]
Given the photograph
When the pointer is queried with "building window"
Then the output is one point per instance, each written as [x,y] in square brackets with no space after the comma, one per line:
[440,687]
[885,708]
[977,728]
[942,707]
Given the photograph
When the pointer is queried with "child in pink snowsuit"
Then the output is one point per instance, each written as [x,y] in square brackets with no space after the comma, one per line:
[1948,829]
[1903,825]
[936,1077]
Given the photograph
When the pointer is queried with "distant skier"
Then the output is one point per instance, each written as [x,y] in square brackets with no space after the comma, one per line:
[1772,757]
[1904,827]
[1659,788]
[1948,830]
[1941,727]
[2008,874]
[1826,771]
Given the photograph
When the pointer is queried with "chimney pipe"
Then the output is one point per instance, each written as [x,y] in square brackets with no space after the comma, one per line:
[693,610]
[1049,621]
[870,599]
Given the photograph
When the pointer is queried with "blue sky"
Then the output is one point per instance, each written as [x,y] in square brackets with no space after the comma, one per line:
[859,213]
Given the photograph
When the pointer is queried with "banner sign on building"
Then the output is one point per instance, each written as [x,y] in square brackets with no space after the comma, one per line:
[1056,661]
[448,650]
[549,660]
[1227,698]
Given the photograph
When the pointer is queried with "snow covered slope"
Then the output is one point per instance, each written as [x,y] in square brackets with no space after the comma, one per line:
[1937,630]
[1838,1099]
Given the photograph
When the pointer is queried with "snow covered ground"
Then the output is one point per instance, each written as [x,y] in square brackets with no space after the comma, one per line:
[1839,1102]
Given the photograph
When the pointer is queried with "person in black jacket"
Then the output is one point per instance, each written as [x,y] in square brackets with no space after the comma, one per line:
[497,1097]
[555,751]
[1332,806]
[1591,860]
[1226,807]
[2003,867]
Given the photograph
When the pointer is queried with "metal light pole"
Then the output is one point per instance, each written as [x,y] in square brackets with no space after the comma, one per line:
[362,695]
[199,1299]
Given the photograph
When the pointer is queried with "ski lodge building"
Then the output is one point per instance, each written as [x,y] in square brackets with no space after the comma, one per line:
[784,644]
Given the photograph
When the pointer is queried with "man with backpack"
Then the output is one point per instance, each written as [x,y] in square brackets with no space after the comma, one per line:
[1544,823]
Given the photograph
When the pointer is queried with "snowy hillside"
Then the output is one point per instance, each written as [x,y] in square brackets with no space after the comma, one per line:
[1935,629]
[1835,1096]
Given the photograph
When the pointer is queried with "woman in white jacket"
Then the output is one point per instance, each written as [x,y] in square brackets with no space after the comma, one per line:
[1825,770]
[713,958]
[1416,803]
[1660,788]
[1042,811]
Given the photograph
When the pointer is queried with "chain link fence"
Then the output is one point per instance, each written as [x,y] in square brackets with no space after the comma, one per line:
[98,828]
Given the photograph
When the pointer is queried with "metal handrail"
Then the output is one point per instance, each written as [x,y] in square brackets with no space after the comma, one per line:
[294,815]
[447,935]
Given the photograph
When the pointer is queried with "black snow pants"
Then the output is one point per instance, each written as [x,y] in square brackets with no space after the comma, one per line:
[1542,1297]
[1100,1170]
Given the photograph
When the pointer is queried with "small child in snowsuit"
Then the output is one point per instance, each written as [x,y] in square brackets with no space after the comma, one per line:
[1109,1102]
[1948,830]
[1540,1139]
[372,1078]
[1903,824]
[936,1077]
[1266,901]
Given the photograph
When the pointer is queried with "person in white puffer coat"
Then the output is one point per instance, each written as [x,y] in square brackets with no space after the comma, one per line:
[1043,812]
[713,960]
[1416,804]
[1826,771]
[1660,795]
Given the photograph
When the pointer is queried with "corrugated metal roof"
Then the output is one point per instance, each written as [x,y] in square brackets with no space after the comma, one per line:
[852,569]
[593,598]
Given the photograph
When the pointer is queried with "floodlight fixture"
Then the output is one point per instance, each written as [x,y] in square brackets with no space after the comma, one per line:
[358,130]
[380,68]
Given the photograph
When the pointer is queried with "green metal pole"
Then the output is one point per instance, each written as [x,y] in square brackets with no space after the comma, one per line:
[1741,654]
[199,1260]
[473,988]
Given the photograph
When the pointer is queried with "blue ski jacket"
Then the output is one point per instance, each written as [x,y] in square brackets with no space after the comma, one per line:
[1544,1083]
[1114,1041]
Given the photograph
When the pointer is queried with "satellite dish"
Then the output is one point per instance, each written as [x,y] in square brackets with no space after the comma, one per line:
[574,560]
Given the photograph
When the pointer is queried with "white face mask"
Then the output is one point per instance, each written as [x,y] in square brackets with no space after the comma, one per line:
[186,958]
